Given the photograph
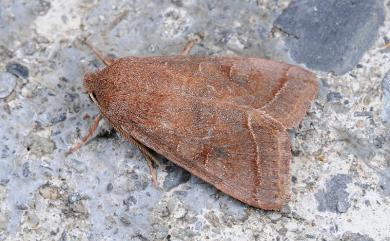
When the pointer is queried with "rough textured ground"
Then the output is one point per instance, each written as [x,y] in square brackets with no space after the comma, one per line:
[340,169]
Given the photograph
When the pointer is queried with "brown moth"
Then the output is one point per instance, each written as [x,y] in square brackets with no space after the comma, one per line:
[223,119]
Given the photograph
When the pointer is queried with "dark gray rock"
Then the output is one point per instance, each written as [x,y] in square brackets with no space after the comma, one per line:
[125,219]
[63,236]
[334,198]
[4,182]
[330,35]
[386,97]
[333,96]
[26,169]
[379,141]
[41,7]
[7,84]
[17,69]
[384,181]
[362,114]
[74,197]
[342,206]
[21,206]
[349,236]
[109,187]
[60,117]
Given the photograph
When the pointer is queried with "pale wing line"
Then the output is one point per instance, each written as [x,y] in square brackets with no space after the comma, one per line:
[287,115]
[279,91]
[257,172]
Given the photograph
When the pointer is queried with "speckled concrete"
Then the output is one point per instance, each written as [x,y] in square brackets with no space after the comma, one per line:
[341,151]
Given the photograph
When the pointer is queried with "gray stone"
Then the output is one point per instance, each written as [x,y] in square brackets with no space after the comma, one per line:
[386,97]
[27,92]
[17,69]
[342,206]
[125,219]
[384,181]
[330,35]
[41,7]
[349,236]
[109,187]
[274,216]
[63,236]
[26,169]
[4,182]
[362,114]
[60,117]
[21,206]
[333,97]
[335,197]
[30,47]
[74,197]
[7,84]
[5,52]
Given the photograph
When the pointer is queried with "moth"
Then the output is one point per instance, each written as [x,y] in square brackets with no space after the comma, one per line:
[223,119]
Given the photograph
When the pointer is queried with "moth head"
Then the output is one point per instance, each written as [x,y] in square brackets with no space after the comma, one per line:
[91,83]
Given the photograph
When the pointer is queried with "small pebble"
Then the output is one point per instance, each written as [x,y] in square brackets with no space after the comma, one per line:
[386,97]
[109,187]
[125,219]
[286,209]
[7,84]
[33,220]
[333,97]
[21,206]
[17,69]
[4,182]
[63,236]
[49,192]
[30,47]
[26,169]
[282,231]
[58,118]
[273,216]
[342,206]
[180,212]
[291,226]
[74,197]
[27,92]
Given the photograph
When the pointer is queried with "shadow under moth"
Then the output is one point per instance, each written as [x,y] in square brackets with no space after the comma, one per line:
[223,119]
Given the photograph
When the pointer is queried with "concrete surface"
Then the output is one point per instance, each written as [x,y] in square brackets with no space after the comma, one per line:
[340,167]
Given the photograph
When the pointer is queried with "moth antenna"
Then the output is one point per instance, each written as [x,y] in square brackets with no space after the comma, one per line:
[187,48]
[86,138]
[152,169]
[105,59]
[190,44]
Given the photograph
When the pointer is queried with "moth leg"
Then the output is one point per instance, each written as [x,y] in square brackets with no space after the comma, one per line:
[152,169]
[105,59]
[187,48]
[86,138]
[150,159]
